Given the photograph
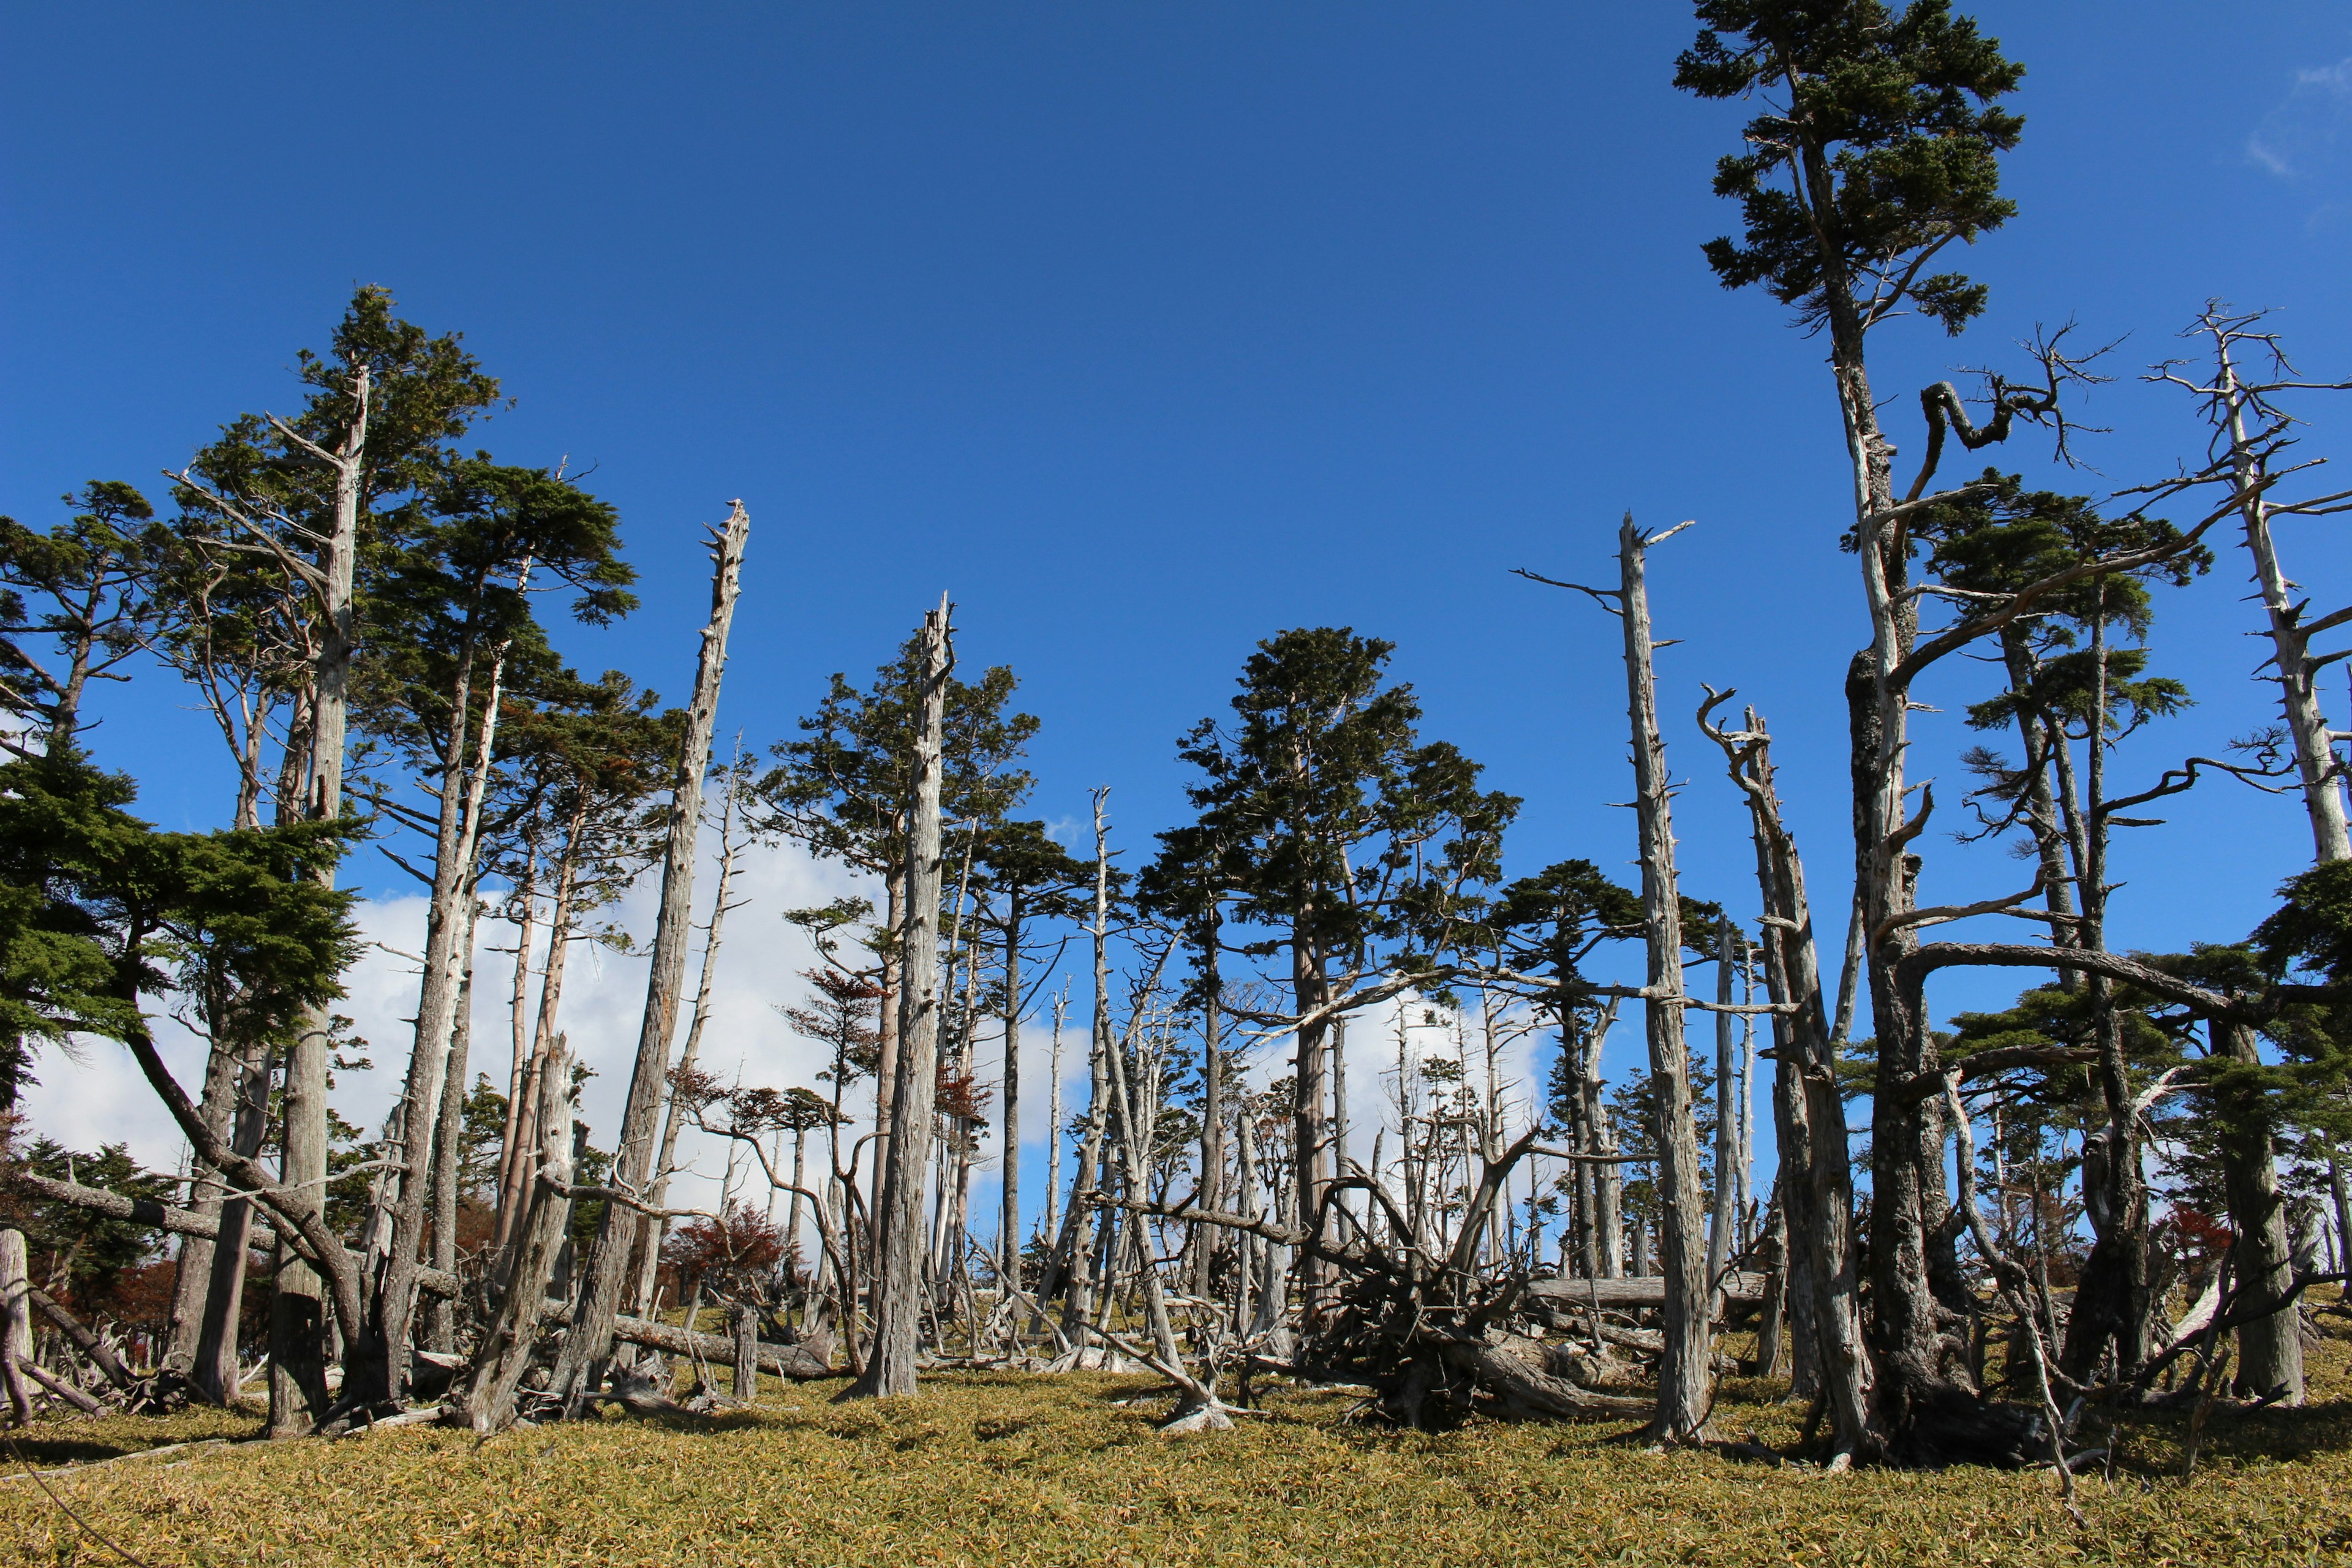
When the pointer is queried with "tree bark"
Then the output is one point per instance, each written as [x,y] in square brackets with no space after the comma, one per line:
[1008,1214]
[448,1145]
[218,1106]
[889,1370]
[298,1323]
[449,926]
[657,1231]
[1685,1369]
[1816,1182]
[15,1324]
[2270,1347]
[215,1368]
[590,1345]
[505,1352]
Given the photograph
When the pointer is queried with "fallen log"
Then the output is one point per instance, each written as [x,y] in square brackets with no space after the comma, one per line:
[89,1344]
[62,1389]
[182,1222]
[799,1363]
[1628,1295]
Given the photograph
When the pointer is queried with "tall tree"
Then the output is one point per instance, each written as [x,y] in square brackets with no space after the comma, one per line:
[1352,844]
[311,494]
[846,790]
[899,1213]
[454,603]
[623,1229]
[1020,877]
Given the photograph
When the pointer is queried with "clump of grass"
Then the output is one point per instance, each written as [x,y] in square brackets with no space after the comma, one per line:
[988,1468]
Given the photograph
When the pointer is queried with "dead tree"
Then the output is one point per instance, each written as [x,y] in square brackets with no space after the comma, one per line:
[590,1345]
[1685,1376]
[1816,1185]
[900,1249]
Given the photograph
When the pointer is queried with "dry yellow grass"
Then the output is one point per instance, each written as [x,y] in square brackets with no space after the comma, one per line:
[989,1470]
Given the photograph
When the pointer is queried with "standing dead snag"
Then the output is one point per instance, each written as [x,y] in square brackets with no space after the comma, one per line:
[1816,1185]
[898,1216]
[591,1343]
[1685,1374]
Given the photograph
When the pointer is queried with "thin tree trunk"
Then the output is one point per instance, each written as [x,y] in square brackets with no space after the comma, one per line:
[1720,1241]
[298,1318]
[1686,1367]
[657,1231]
[2270,1347]
[590,1344]
[440,1328]
[215,1369]
[1816,1182]
[505,1352]
[514,1186]
[899,1218]
[449,935]
[194,1282]
[1008,1214]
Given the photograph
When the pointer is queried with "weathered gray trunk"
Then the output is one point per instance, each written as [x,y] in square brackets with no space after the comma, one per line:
[215,1367]
[590,1344]
[2270,1347]
[1720,1242]
[1008,1212]
[666,1161]
[899,1218]
[505,1353]
[449,926]
[218,1106]
[1816,1182]
[564,913]
[440,1333]
[1686,1367]
[298,1325]
[15,1324]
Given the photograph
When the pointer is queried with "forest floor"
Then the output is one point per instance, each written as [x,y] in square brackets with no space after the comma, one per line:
[999,1468]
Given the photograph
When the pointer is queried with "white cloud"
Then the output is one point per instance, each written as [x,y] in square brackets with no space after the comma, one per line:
[2302,137]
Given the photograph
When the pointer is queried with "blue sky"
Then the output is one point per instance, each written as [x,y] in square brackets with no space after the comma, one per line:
[1148,330]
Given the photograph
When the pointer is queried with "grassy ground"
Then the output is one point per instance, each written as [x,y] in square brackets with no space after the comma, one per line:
[988,1469]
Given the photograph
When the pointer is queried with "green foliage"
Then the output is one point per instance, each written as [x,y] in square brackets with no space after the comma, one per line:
[1334,825]
[97,907]
[90,580]
[845,788]
[1878,147]
[74,1253]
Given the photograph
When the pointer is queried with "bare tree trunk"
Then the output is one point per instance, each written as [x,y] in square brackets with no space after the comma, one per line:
[1816,1183]
[745,1323]
[514,1177]
[657,1231]
[223,1081]
[215,1368]
[449,926]
[590,1344]
[15,1324]
[524,903]
[2270,1349]
[899,1218]
[297,1320]
[1686,1367]
[1053,1134]
[440,1327]
[505,1353]
[1008,1213]
[1213,1112]
[1719,1240]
